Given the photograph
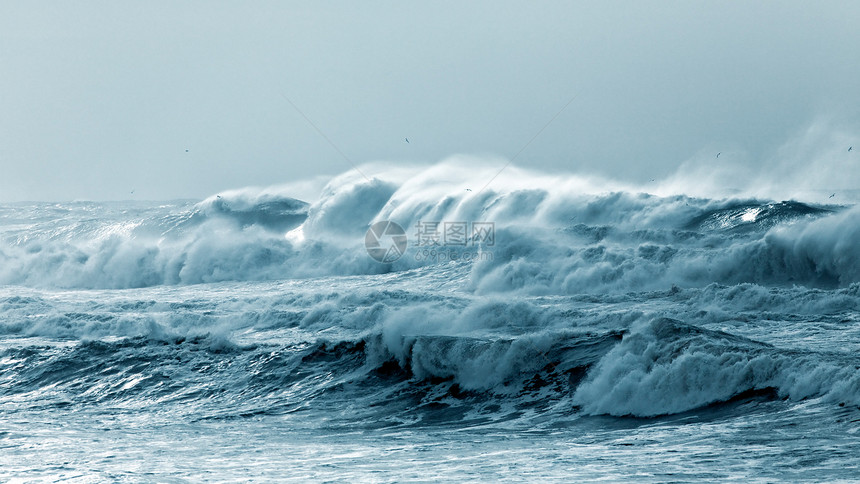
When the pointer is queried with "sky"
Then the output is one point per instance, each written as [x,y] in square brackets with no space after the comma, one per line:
[159,100]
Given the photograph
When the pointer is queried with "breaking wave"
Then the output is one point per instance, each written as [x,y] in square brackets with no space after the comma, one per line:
[393,352]
[553,235]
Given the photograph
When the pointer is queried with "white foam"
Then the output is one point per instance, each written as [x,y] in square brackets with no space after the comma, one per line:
[554,234]
[664,368]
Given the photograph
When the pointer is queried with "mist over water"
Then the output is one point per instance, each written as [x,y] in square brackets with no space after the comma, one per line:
[603,327]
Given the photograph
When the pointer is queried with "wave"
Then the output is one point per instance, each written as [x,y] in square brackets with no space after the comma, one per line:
[273,212]
[749,216]
[660,367]
[233,350]
[665,367]
[553,235]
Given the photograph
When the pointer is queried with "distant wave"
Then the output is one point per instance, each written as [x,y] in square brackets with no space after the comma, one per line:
[553,235]
[276,213]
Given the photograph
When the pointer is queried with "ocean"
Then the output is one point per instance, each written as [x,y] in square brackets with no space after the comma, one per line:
[528,331]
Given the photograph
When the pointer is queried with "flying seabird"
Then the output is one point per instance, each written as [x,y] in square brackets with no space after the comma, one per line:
[407,139]
[718,154]
[832,195]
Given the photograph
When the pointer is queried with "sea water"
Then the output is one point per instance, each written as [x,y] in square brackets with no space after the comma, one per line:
[580,334]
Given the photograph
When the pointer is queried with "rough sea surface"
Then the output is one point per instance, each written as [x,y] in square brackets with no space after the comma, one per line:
[601,334]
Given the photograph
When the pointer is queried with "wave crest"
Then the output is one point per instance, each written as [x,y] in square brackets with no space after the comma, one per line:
[554,234]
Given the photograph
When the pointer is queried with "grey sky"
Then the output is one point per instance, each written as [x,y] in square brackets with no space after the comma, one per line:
[101,98]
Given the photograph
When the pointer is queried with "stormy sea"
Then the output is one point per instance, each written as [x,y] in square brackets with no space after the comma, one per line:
[409,325]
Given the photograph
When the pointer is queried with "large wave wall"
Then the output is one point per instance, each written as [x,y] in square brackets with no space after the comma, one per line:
[553,234]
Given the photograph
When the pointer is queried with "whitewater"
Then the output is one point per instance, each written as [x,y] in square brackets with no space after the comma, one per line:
[591,329]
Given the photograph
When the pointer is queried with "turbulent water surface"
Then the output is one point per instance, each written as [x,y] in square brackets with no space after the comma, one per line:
[602,333]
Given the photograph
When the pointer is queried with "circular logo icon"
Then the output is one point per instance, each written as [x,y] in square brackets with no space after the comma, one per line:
[385,241]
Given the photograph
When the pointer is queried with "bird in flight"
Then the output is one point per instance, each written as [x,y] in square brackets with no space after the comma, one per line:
[718,154]
[849,148]
[407,139]
[832,195]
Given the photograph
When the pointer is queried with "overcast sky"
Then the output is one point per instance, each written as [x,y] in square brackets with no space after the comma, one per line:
[182,99]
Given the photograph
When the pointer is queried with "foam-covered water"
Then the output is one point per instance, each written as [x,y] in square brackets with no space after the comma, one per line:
[607,332]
